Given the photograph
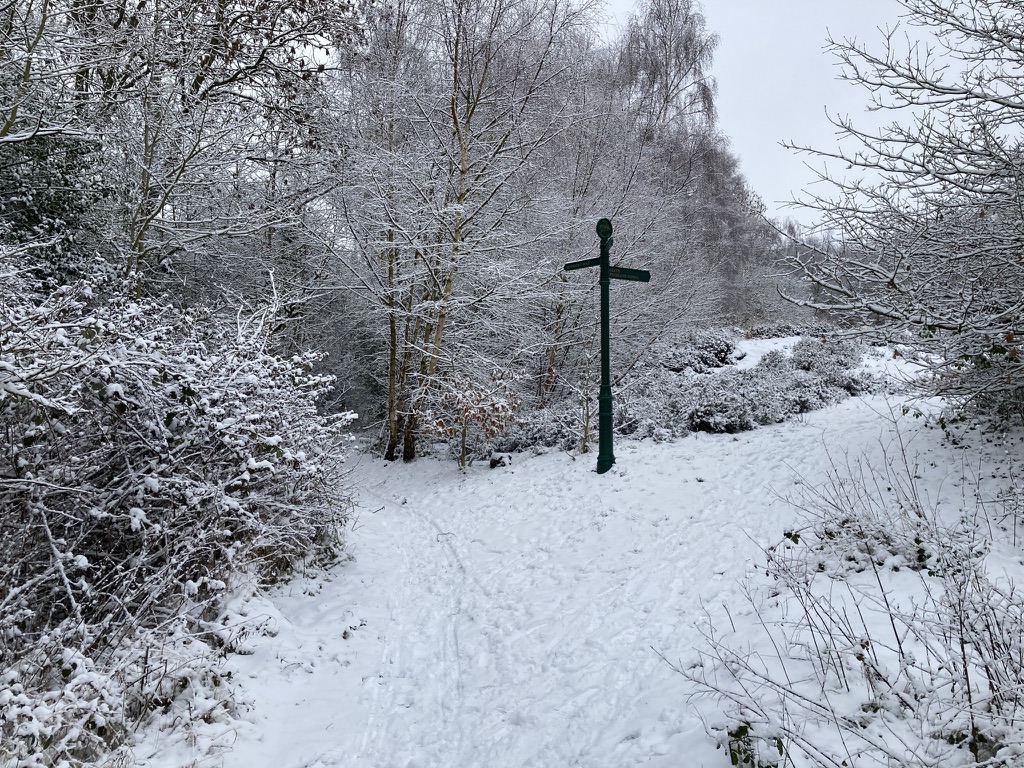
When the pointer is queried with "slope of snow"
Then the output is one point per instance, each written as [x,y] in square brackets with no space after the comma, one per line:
[750,351]
[517,616]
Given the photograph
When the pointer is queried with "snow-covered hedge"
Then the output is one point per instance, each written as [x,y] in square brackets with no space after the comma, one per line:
[690,383]
[781,330]
[659,402]
[152,461]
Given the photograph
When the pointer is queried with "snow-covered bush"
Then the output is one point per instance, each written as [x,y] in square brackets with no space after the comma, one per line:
[152,460]
[690,383]
[49,187]
[816,375]
[461,407]
[831,361]
[556,426]
[697,351]
[722,409]
[878,638]
[780,330]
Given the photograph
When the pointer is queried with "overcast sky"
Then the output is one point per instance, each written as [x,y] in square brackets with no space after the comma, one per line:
[775,81]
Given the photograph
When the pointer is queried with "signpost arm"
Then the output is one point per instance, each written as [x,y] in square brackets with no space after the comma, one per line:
[605,455]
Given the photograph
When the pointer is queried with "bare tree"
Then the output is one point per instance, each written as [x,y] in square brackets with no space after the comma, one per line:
[460,98]
[666,60]
[929,239]
[201,106]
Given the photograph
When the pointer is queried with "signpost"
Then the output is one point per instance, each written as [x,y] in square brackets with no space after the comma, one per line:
[605,455]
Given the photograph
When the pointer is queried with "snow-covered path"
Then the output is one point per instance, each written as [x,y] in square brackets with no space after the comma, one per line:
[511,617]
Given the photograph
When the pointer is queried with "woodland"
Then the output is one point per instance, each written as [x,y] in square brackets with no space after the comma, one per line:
[239,240]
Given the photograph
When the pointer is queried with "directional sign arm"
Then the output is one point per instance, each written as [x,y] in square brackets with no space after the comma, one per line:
[594,262]
[624,273]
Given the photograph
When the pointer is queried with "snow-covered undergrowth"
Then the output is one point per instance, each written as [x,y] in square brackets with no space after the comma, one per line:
[511,617]
[153,464]
[699,381]
[672,393]
[887,629]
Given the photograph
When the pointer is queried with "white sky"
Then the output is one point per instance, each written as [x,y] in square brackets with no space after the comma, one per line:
[775,81]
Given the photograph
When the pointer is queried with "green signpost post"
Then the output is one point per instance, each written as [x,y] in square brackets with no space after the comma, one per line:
[605,455]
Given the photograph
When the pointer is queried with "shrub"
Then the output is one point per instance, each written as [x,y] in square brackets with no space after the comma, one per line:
[690,383]
[780,330]
[49,189]
[697,351]
[832,362]
[878,638]
[461,407]
[152,460]
[816,375]
[721,411]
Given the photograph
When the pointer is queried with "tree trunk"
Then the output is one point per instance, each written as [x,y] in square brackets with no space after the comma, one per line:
[409,439]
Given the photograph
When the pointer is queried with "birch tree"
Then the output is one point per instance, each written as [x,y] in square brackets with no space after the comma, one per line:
[486,139]
[468,94]
[645,108]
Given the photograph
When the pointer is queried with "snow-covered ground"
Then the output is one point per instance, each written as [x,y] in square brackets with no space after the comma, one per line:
[518,616]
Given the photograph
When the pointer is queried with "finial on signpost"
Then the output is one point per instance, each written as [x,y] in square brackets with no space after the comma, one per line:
[605,454]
